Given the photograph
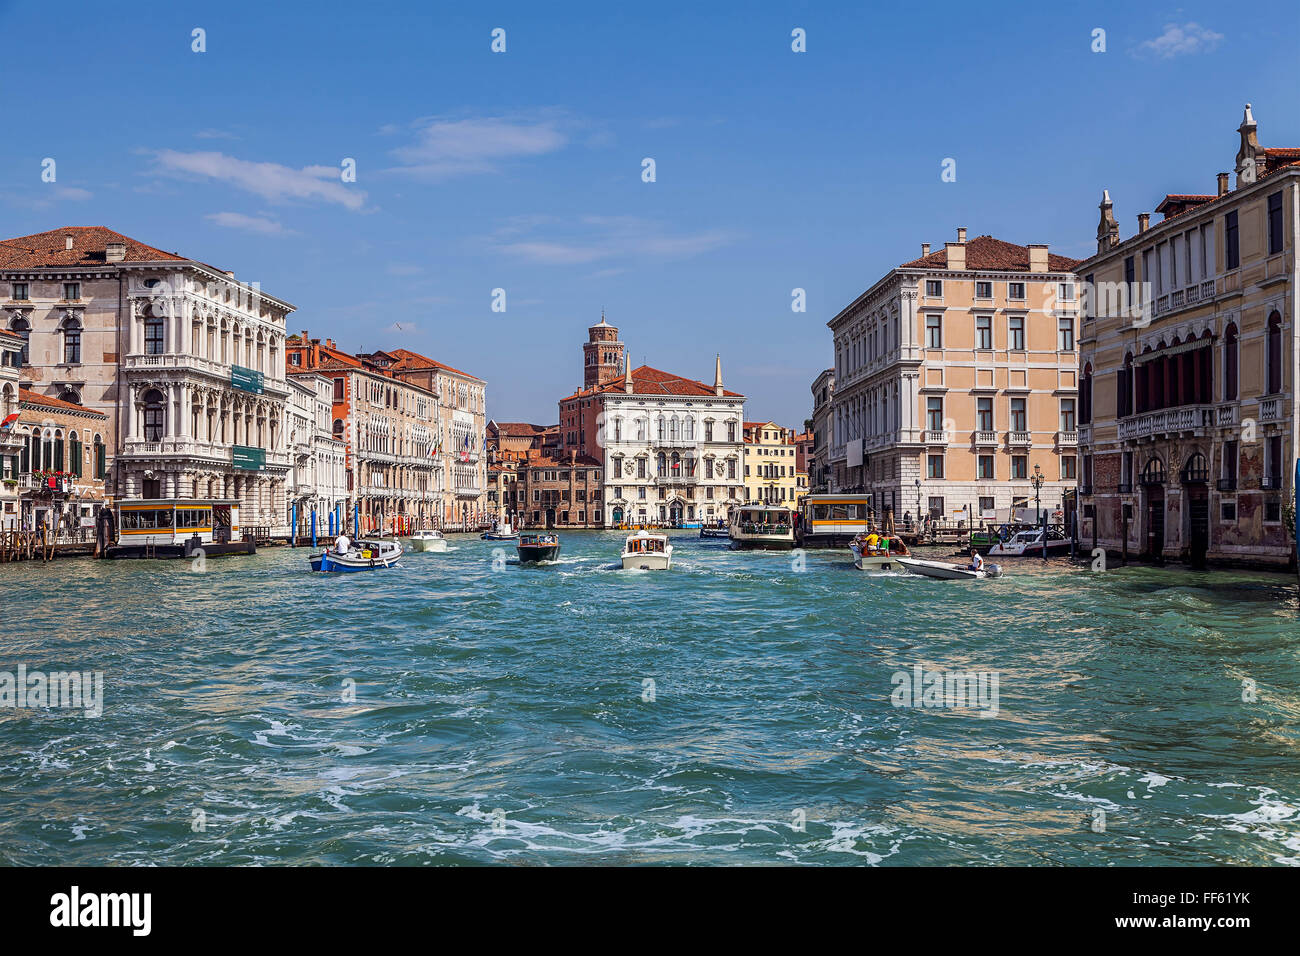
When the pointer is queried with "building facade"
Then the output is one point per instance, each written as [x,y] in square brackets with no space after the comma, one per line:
[1189,361]
[184,361]
[956,383]
[670,448]
[61,466]
[318,473]
[819,465]
[769,464]
[11,357]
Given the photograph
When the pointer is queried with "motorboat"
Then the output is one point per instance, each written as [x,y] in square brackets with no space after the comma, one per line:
[647,551]
[501,531]
[949,572]
[718,530]
[878,553]
[537,546]
[427,541]
[761,526]
[1029,543]
[364,554]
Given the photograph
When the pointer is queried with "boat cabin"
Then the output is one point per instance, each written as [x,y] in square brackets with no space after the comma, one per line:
[646,544]
[176,521]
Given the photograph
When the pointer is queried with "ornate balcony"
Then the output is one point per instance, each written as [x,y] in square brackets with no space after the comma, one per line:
[1022,439]
[1270,409]
[1067,439]
[936,437]
[1169,421]
[1226,414]
[986,438]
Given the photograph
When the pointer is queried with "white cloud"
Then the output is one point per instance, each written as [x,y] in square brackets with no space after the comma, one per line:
[458,147]
[271,181]
[258,224]
[599,238]
[1178,40]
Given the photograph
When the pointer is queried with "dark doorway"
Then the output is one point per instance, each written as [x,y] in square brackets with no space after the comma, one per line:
[550,517]
[1198,513]
[1155,522]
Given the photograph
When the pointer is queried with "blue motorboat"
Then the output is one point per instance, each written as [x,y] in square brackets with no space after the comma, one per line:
[362,555]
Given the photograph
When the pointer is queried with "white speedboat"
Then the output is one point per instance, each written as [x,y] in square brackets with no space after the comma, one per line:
[647,551]
[949,572]
[365,554]
[427,541]
[1030,544]
[879,556]
[761,526]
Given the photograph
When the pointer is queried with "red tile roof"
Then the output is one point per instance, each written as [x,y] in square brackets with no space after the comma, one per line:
[405,359]
[652,381]
[984,253]
[47,250]
[522,429]
[36,398]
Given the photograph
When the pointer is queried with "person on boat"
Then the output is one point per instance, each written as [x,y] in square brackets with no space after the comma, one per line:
[976,562]
[341,544]
[872,540]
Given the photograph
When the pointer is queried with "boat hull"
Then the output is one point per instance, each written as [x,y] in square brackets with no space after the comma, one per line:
[878,563]
[533,553]
[493,536]
[763,542]
[714,533]
[948,572]
[651,561]
[427,544]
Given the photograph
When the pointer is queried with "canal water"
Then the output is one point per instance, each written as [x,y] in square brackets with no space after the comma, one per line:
[740,708]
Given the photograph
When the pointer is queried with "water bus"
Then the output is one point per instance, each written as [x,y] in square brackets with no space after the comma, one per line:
[177,528]
[833,520]
[647,551]
[761,526]
[536,546]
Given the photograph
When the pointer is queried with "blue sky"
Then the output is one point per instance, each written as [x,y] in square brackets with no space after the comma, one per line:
[522,170]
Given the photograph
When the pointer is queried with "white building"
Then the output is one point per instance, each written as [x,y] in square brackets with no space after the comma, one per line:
[186,361]
[11,348]
[671,447]
[317,480]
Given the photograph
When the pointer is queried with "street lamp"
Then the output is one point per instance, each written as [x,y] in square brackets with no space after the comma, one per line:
[918,500]
[1037,482]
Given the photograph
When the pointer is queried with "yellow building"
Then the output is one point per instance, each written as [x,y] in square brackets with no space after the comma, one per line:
[769,460]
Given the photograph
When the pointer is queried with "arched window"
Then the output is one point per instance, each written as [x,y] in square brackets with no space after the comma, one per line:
[71,342]
[1197,470]
[57,463]
[338,428]
[100,464]
[74,455]
[23,329]
[1230,362]
[1153,473]
[25,454]
[153,415]
[153,335]
[1085,395]
[662,464]
[677,465]
[70,395]
[1274,354]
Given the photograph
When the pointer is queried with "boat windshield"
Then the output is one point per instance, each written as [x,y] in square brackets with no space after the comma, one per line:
[645,545]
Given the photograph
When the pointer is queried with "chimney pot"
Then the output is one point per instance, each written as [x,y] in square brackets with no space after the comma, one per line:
[115,252]
[961,233]
[956,256]
[67,242]
[1223,184]
[925,248]
[1144,222]
[1038,257]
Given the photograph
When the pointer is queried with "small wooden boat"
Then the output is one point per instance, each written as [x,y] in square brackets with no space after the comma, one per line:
[366,554]
[646,551]
[949,572]
[427,541]
[878,554]
[536,546]
[501,532]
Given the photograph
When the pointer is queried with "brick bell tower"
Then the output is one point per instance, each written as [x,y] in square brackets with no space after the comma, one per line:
[602,355]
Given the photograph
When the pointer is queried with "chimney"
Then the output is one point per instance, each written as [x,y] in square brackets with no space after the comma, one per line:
[1248,169]
[1107,227]
[1037,257]
[956,255]
[1223,184]
[67,242]
[1144,222]
[961,233]
[925,249]
[115,252]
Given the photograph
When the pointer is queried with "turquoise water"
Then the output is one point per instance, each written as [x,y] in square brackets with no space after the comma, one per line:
[502,713]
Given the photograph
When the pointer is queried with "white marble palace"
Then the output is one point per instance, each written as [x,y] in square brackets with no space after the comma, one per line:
[186,361]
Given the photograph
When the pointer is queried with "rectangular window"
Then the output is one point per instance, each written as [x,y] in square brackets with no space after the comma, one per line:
[984,414]
[936,506]
[1016,290]
[1065,291]
[20,291]
[934,288]
[1275,223]
[1067,415]
[72,346]
[72,291]
[934,331]
[1016,333]
[1068,466]
[1019,467]
[1065,335]
[1231,246]
[986,467]
[1089,297]
[1018,422]
[984,331]
[934,414]
[934,466]
[1228,510]
[983,290]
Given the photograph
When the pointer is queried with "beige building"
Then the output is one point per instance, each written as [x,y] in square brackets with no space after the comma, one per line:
[1188,351]
[956,380]
[11,357]
[185,361]
[769,465]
